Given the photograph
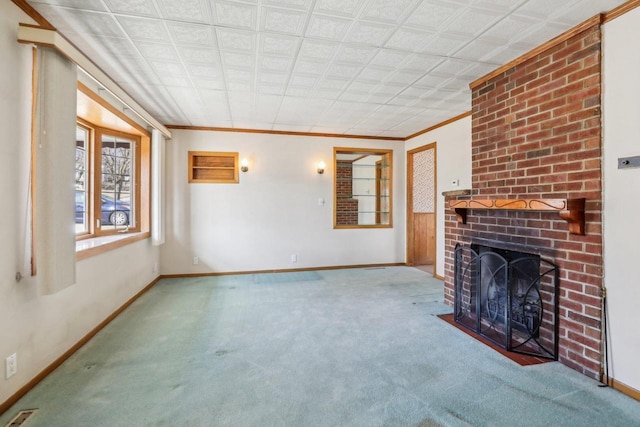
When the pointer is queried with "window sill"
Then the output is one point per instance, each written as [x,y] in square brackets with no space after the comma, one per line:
[98,245]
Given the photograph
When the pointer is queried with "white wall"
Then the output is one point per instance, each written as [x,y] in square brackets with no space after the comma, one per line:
[274,211]
[453,150]
[622,193]
[41,328]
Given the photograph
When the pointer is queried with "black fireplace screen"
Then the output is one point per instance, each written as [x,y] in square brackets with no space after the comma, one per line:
[508,297]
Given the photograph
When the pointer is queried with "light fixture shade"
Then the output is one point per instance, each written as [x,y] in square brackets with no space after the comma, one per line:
[244,165]
[321,167]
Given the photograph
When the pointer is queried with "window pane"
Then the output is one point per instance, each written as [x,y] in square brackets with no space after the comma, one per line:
[82,187]
[117,175]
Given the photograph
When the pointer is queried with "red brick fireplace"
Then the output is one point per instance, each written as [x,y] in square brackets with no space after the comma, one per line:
[536,134]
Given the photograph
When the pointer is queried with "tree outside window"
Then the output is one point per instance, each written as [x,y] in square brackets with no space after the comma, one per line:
[106,199]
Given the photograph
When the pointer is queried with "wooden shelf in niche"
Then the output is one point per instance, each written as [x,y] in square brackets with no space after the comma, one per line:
[213,167]
[570,210]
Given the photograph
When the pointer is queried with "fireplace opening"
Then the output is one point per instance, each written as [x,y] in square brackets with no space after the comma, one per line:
[509,297]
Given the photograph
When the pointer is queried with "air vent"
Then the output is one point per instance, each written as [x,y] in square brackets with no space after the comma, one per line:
[21,418]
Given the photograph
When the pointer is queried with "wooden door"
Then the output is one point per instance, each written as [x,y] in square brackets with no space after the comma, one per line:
[424,238]
[421,206]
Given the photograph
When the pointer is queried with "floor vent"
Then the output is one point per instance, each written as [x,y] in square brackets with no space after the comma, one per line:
[21,418]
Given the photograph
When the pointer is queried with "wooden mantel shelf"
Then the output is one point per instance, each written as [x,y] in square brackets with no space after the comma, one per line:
[571,210]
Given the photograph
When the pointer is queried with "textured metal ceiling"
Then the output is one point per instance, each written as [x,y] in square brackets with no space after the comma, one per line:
[360,67]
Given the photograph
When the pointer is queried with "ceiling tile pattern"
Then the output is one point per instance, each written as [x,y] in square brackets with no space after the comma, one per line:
[368,67]
[133,7]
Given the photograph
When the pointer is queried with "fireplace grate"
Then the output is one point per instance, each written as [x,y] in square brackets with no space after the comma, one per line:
[508,297]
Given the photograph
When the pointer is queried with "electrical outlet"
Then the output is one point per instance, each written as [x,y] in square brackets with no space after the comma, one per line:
[195,260]
[12,365]
[294,258]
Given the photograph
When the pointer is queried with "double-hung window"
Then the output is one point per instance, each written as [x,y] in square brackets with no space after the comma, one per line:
[118,162]
[107,181]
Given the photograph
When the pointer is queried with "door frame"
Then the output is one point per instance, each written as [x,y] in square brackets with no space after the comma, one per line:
[410,232]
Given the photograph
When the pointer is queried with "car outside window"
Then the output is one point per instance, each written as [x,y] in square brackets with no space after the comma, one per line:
[107,164]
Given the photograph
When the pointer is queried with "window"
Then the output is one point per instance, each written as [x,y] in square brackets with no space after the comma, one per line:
[362,188]
[118,165]
[112,170]
[107,198]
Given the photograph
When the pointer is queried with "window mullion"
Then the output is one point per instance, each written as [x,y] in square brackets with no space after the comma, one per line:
[97,182]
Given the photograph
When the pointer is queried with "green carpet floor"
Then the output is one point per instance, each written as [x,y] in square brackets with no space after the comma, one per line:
[353,347]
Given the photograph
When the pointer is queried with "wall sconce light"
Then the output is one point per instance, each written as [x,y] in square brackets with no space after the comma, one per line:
[244,165]
[321,167]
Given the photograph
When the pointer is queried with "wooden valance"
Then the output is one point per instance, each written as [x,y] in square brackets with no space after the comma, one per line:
[570,210]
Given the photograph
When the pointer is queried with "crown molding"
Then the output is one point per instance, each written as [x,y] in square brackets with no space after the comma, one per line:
[439,125]
[621,10]
[34,14]
[282,132]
